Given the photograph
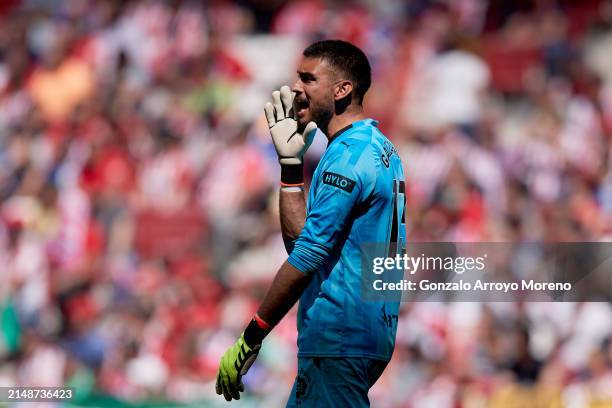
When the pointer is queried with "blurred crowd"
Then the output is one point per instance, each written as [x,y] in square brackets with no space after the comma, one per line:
[138,189]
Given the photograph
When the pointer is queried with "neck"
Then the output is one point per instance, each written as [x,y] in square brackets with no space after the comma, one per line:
[350,115]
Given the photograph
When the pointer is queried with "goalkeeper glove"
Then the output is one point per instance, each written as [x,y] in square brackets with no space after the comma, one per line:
[290,145]
[238,359]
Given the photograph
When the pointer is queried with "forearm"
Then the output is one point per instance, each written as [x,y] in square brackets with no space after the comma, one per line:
[292,212]
[286,289]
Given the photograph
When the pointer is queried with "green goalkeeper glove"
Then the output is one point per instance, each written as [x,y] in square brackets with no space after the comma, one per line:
[234,364]
[290,145]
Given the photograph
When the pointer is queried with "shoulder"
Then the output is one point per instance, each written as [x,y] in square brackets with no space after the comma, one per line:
[357,145]
[351,160]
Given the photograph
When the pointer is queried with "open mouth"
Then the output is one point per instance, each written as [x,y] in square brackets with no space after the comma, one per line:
[301,107]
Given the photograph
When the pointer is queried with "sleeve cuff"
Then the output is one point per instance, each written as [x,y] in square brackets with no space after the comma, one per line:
[307,260]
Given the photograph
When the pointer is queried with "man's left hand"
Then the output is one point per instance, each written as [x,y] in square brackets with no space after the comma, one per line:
[234,364]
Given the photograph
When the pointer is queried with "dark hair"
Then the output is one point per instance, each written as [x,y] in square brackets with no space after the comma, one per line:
[346,58]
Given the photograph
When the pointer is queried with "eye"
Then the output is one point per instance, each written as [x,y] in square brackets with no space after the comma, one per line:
[307,78]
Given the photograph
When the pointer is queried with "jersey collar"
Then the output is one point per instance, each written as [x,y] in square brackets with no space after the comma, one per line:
[359,123]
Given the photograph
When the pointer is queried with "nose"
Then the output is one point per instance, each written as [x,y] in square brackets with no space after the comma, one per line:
[297,87]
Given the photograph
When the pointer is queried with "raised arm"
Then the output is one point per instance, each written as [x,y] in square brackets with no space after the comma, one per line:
[290,146]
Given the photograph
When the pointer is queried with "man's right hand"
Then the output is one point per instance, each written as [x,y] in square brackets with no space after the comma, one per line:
[290,145]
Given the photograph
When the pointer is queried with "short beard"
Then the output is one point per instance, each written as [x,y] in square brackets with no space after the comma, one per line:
[319,116]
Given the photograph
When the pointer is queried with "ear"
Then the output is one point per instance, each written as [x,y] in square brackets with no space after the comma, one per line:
[343,89]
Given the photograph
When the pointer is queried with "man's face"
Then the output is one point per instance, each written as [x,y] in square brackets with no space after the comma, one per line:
[314,93]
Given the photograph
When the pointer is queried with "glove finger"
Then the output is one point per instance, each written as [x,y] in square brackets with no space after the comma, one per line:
[292,109]
[269,110]
[241,386]
[287,100]
[230,387]
[278,106]
[309,133]
[225,389]
[218,388]
[233,390]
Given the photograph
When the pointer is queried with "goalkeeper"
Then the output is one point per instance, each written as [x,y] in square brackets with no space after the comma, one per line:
[356,197]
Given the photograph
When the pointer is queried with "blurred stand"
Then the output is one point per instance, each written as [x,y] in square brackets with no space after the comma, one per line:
[138,208]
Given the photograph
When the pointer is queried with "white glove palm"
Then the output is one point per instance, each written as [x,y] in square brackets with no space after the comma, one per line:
[290,145]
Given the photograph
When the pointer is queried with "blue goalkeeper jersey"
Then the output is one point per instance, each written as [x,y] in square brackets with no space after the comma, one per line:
[356,198]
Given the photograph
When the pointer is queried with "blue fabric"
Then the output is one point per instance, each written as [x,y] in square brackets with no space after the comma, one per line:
[334,382]
[351,203]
